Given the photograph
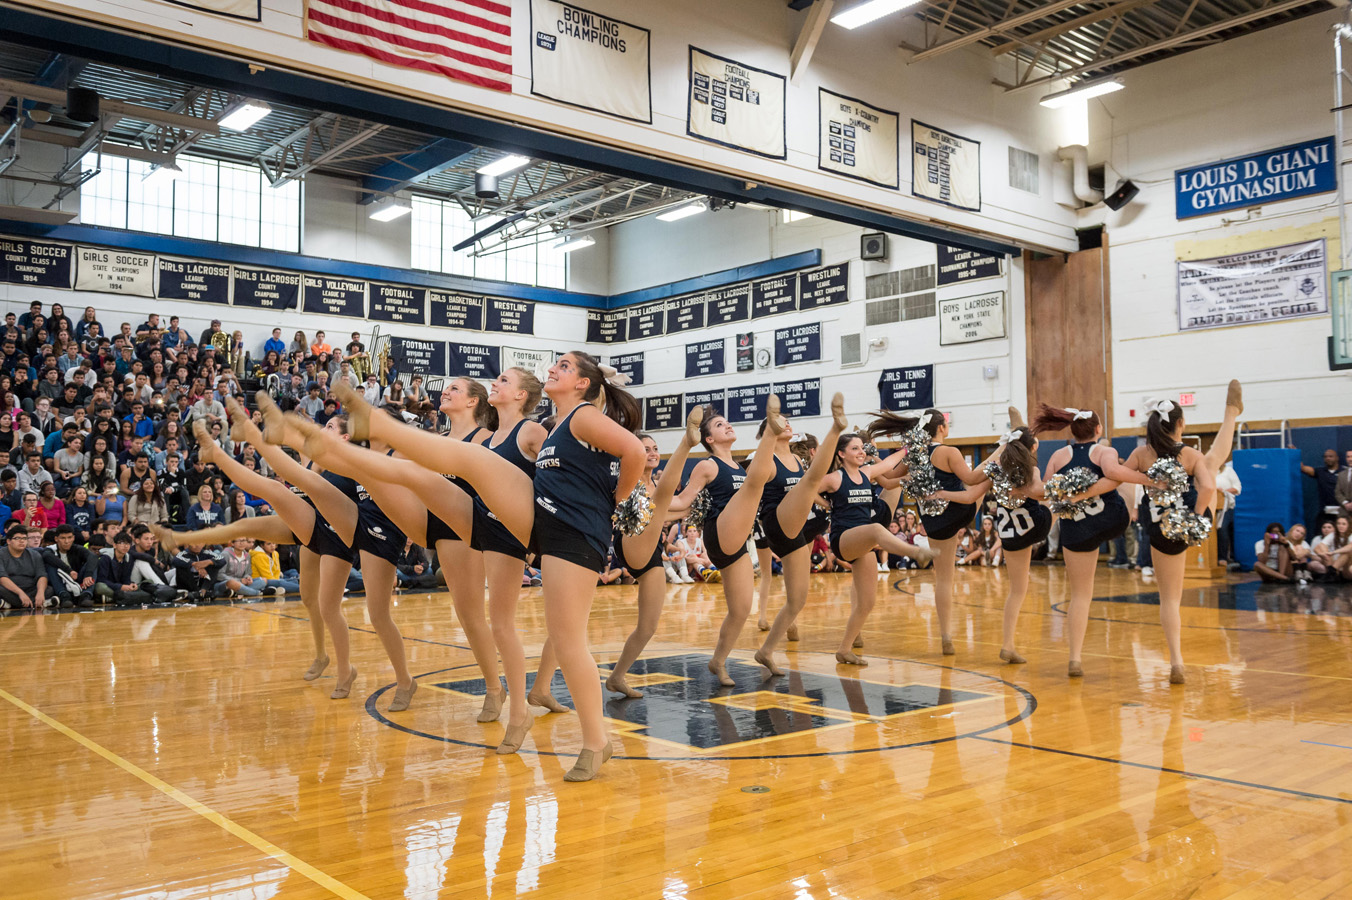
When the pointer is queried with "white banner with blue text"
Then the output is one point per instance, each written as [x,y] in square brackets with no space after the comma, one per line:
[1287,282]
[584,59]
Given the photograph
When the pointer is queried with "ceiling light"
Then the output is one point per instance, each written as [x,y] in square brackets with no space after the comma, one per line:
[162,175]
[502,166]
[569,244]
[1081,92]
[387,209]
[794,215]
[682,212]
[863,13]
[244,116]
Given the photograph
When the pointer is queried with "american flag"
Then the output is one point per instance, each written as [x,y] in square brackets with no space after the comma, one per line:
[468,40]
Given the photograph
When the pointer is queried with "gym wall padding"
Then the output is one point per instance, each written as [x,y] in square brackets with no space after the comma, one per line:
[1271,492]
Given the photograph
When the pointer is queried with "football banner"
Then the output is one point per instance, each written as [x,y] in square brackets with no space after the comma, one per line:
[736,105]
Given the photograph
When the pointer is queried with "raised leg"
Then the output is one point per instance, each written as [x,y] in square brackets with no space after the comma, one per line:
[259,528]
[652,594]
[736,520]
[797,503]
[1224,441]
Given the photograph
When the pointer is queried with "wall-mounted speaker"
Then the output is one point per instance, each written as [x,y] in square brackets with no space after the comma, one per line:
[1122,196]
[873,245]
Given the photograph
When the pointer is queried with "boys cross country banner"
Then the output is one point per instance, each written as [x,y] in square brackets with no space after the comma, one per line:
[857,140]
[584,59]
[736,105]
[1260,286]
[945,168]
[235,9]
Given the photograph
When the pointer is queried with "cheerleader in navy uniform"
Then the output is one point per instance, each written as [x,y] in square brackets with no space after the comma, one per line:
[734,501]
[568,525]
[1104,520]
[1163,440]
[855,533]
[954,474]
[641,553]
[786,503]
[1020,527]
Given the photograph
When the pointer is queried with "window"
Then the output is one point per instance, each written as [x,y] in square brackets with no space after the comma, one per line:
[438,226]
[212,201]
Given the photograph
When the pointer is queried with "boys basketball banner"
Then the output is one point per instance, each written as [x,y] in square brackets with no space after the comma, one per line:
[584,59]
[857,140]
[1260,286]
[736,105]
[945,168]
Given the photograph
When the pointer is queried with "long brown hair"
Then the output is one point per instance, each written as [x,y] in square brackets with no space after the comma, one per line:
[620,405]
[1159,432]
[892,424]
[1054,418]
[1019,459]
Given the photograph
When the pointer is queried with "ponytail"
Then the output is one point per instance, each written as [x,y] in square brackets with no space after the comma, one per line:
[1018,459]
[617,403]
[891,424]
[841,443]
[803,447]
[1159,429]
[1083,424]
[531,385]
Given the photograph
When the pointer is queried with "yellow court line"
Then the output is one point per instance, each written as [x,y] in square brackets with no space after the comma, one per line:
[325,881]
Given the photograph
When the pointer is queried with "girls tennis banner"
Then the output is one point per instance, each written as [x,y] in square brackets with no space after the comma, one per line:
[1259,286]
[945,168]
[857,140]
[584,59]
[736,105]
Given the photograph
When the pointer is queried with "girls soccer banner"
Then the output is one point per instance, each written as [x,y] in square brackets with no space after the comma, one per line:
[857,140]
[1259,286]
[945,168]
[736,105]
[584,59]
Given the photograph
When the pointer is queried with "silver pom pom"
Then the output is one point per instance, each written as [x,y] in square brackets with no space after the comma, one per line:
[922,480]
[634,512]
[1001,487]
[1169,472]
[870,450]
[700,508]
[1178,524]
[1059,488]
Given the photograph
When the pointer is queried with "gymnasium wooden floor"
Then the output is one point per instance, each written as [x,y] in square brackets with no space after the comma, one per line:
[178,754]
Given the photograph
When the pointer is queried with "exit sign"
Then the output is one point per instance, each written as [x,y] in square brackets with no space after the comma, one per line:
[1187,399]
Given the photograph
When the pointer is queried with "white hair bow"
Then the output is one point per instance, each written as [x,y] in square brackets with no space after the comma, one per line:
[613,376]
[925,420]
[1011,436]
[1079,414]
[1163,407]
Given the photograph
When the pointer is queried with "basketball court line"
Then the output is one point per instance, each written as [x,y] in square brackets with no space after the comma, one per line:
[299,866]
[264,612]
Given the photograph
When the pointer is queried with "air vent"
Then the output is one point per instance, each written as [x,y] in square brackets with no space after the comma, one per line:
[917,306]
[882,312]
[1023,170]
[852,349]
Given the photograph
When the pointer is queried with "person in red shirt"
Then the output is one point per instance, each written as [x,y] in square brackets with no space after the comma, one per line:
[30,514]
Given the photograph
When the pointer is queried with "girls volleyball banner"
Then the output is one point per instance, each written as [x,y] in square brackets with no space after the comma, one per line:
[857,140]
[945,168]
[1259,286]
[736,105]
[584,59]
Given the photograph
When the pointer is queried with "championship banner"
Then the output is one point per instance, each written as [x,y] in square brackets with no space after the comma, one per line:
[399,303]
[606,326]
[235,9]
[533,361]
[474,360]
[115,271]
[858,140]
[730,304]
[707,358]
[461,311]
[265,289]
[903,389]
[36,263]
[1260,286]
[188,279]
[685,314]
[630,364]
[945,168]
[799,399]
[772,296]
[663,412]
[747,404]
[798,344]
[957,265]
[965,320]
[584,59]
[824,287]
[647,321]
[414,357]
[736,105]
[510,316]
[704,398]
[333,296]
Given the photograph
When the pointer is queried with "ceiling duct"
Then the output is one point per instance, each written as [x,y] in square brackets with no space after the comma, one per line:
[82,104]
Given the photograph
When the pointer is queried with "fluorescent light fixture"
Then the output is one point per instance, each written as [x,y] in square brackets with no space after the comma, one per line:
[244,116]
[569,244]
[1081,92]
[868,11]
[683,212]
[507,164]
[387,209]
[793,215]
[162,175]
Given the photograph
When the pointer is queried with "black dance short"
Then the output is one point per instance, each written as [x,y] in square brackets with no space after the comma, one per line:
[491,536]
[882,513]
[949,522]
[818,523]
[720,559]
[637,571]
[781,544]
[1041,518]
[324,541]
[1087,534]
[835,548]
[1157,539]
[758,536]
[376,541]
[437,530]
[552,536]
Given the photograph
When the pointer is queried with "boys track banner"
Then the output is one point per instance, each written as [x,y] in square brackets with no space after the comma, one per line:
[736,105]
[584,59]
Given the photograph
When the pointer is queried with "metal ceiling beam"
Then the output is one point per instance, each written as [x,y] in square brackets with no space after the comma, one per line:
[286,161]
[107,148]
[1167,44]
[993,30]
[414,167]
[1047,34]
[117,107]
[803,48]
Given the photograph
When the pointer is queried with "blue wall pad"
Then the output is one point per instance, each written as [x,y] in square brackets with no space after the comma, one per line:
[1271,492]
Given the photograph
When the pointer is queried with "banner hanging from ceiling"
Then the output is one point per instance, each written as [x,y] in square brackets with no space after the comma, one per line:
[736,105]
[235,9]
[1285,282]
[945,167]
[585,59]
[857,139]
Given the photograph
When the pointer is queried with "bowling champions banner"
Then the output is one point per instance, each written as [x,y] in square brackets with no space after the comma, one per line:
[588,60]
[235,9]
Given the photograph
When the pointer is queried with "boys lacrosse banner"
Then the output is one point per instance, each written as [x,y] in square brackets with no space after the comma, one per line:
[584,59]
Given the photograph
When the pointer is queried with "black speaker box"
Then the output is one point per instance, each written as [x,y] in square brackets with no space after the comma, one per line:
[1122,196]
[873,245]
